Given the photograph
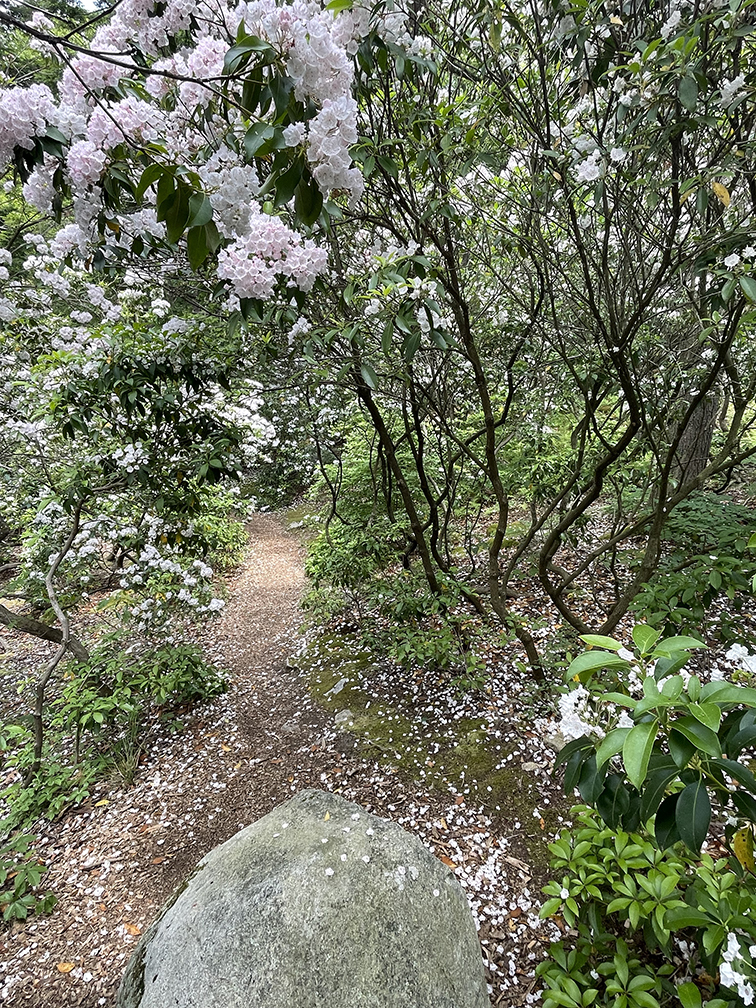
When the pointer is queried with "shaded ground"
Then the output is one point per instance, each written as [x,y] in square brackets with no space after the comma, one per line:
[114,861]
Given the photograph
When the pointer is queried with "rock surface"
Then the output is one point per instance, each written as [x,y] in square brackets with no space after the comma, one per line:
[317,905]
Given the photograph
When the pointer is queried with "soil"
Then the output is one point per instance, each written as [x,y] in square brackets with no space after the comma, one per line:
[115,860]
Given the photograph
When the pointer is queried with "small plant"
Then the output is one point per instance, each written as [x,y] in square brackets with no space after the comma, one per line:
[20,876]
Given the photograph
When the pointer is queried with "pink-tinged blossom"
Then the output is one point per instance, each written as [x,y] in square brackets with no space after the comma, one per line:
[87,74]
[38,188]
[130,119]
[331,133]
[254,263]
[24,114]
[85,163]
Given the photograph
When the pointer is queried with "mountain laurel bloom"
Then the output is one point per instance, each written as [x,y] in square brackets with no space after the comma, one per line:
[24,114]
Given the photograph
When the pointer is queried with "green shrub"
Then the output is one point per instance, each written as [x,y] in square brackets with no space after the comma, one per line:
[707,558]
[661,762]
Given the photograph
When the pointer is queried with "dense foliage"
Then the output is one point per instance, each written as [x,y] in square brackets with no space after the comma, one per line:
[482,280]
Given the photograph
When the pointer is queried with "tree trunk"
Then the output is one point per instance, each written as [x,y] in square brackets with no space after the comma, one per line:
[693,450]
[31,626]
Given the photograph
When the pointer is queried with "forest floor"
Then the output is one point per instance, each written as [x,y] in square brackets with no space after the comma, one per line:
[114,860]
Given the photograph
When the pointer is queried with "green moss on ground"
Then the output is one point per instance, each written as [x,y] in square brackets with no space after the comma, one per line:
[459,757]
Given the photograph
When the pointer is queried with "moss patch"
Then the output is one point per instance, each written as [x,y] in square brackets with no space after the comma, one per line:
[457,756]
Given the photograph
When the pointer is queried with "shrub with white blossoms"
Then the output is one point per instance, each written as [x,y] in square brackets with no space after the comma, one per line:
[209,137]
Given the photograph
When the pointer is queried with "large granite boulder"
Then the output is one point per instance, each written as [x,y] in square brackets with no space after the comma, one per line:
[317,905]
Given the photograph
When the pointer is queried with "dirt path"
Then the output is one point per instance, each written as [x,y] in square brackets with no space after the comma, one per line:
[116,860]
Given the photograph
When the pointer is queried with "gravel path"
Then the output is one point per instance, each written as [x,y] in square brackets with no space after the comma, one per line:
[114,861]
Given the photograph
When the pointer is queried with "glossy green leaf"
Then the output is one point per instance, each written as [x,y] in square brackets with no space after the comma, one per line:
[636,750]
[673,644]
[644,637]
[681,749]
[200,210]
[611,744]
[196,246]
[591,661]
[369,376]
[665,823]
[687,92]
[702,737]
[748,286]
[707,713]
[730,693]
[738,772]
[655,789]
[693,815]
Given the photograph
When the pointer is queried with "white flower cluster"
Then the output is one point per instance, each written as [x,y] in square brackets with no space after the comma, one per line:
[253,262]
[315,46]
[130,457]
[731,90]
[731,967]
[741,657]
[576,715]
[24,114]
[331,133]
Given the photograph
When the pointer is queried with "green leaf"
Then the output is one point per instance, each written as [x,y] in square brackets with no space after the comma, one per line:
[287,182]
[584,742]
[644,637]
[738,772]
[585,664]
[681,749]
[611,744]
[591,782]
[748,286]
[670,666]
[655,790]
[200,210]
[689,995]
[369,376]
[308,200]
[707,713]
[687,92]
[722,692]
[150,175]
[260,139]
[702,737]
[636,750]
[238,54]
[339,5]
[665,823]
[196,246]
[614,801]
[685,917]
[693,815]
[671,645]
[597,640]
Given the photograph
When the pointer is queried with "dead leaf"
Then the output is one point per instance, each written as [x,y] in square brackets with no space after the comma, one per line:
[721,193]
[447,861]
[327,816]
[459,800]
[157,860]
[65,967]
[99,804]
[132,929]
[226,748]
